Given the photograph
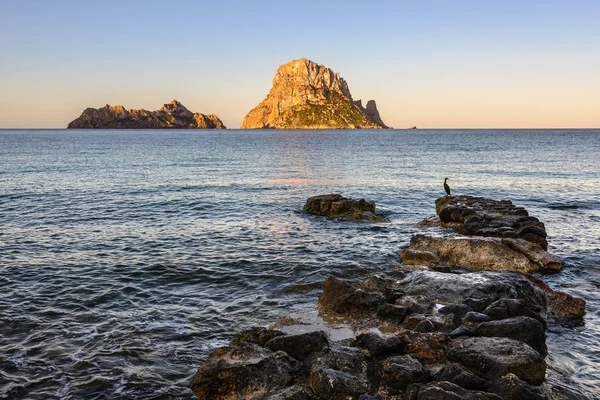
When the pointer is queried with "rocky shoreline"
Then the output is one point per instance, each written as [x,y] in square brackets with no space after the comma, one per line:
[460,318]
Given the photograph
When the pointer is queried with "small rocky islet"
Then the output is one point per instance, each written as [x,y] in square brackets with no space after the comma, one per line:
[307,95]
[173,115]
[437,326]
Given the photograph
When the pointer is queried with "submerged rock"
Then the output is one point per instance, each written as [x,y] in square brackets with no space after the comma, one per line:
[171,115]
[337,206]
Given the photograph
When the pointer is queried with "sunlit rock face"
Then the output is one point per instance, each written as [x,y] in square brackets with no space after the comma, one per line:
[171,115]
[306,95]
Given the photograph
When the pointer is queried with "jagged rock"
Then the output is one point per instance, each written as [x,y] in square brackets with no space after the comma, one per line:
[513,388]
[419,304]
[427,347]
[487,253]
[337,206]
[328,384]
[560,303]
[492,358]
[507,308]
[295,392]
[244,370]
[416,257]
[171,115]
[299,346]
[377,344]
[392,313]
[450,391]
[400,371]
[342,297]
[345,359]
[256,335]
[524,329]
[459,309]
[457,374]
[306,95]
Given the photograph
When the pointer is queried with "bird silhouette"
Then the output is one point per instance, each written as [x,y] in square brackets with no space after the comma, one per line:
[446,187]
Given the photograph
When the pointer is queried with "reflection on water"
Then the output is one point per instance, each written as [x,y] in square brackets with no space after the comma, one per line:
[126,257]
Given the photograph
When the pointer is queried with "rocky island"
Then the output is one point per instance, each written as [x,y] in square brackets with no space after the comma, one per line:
[172,115]
[306,95]
[435,327]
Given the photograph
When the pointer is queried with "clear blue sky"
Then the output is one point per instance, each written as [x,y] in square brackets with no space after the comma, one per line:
[427,63]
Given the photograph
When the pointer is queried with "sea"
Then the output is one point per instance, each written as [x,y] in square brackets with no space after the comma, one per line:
[127,257]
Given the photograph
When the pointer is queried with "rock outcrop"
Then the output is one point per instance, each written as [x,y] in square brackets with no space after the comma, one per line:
[306,95]
[498,236]
[434,332]
[171,115]
[337,206]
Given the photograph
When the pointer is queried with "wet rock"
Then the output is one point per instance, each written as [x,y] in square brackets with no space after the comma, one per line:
[257,335]
[507,308]
[425,326]
[345,359]
[461,331]
[342,297]
[246,370]
[400,371]
[327,383]
[296,392]
[418,304]
[392,313]
[513,388]
[459,309]
[450,391]
[524,329]
[475,317]
[427,347]
[560,304]
[413,320]
[337,206]
[299,346]
[455,373]
[487,287]
[492,358]
[377,344]
[486,253]
[416,257]
[477,305]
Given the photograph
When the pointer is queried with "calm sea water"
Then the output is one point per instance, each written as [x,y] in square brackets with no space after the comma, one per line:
[126,257]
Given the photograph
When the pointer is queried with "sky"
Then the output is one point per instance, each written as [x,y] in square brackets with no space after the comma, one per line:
[433,64]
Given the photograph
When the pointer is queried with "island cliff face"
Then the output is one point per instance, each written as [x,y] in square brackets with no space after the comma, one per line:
[306,95]
[171,115]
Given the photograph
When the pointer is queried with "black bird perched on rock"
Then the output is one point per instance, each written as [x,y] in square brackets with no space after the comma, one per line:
[446,187]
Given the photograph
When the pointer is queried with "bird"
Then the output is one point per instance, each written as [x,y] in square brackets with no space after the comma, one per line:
[446,187]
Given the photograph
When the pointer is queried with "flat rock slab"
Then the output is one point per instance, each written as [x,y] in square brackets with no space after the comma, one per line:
[480,253]
[337,206]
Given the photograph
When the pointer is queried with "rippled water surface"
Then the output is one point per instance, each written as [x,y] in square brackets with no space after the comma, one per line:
[127,256]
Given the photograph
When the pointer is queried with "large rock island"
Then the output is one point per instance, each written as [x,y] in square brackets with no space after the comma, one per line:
[306,95]
[171,115]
